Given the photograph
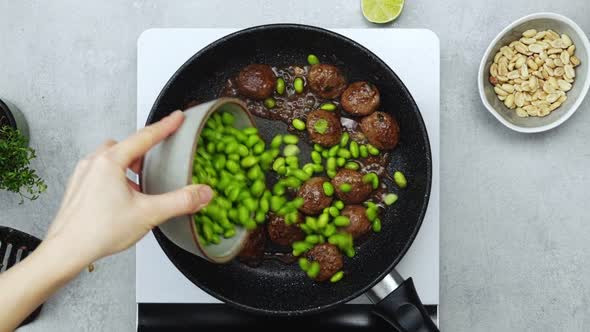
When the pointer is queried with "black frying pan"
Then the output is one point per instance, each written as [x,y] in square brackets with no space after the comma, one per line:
[278,289]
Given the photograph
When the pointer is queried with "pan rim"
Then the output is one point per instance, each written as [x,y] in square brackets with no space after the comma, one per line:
[428,154]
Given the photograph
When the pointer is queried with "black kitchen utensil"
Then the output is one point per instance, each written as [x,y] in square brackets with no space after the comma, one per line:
[275,288]
[14,247]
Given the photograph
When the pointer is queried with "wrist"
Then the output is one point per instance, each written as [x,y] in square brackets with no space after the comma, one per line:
[58,260]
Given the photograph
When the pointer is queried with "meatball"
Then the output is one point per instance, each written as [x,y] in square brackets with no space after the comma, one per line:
[329,257]
[360,98]
[324,127]
[359,223]
[281,233]
[314,198]
[359,191]
[327,81]
[256,81]
[253,248]
[381,129]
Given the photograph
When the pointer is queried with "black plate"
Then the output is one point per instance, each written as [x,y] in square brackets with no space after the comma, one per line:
[275,288]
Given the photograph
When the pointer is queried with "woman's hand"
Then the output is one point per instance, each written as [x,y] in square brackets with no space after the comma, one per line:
[104,213]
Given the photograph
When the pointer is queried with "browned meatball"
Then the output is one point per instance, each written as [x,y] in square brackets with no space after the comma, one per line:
[381,129]
[324,127]
[359,223]
[314,199]
[281,233]
[326,80]
[360,98]
[253,248]
[329,257]
[256,81]
[359,192]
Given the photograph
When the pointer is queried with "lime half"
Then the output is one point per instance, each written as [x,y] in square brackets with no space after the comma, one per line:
[382,11]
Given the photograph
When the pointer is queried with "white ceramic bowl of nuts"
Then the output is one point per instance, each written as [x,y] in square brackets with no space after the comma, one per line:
[535,73]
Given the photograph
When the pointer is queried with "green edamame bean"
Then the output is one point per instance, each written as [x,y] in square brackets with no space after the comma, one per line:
[312,59]
[390,199]
[350,252]
[343,153]
[280,85]
[340,161]
[282,170]
[314,270]
[325,154]
[210,147]
[259,147]
[231,147]
[219,161]
[316,157]
[317,147]
[304,263]
[341,221]
[329,230]
[400,179]
[251,204]
[333,152]
[331,173]
[242,150]
[229,233]
[291,182]
[372,150]
[331,164]
[217,229]
[298,124]
[249,161]
[318,168]
[354,149]
[276,202]
[270,103]
[255,173]
[291,150]
[311,222]
[232,166]
[276,142]
[298,84]
[250,130]
[377,225]
[260,217]
[371,214]
[328,107]
[306,229]
[258,188]
[300,247]
[250,224]
[337,276]
[308,169]
[264,204]
[312,239]
[334,212]
[290,139]
[252,140]
[292,161]
[364,153]
[328,189]
[227,118]
[345,187]
[279,189]
[232,214]
[278,163]
[352,165]
[243,214]
[291,218]
[323,220]
[344,139]
[301,175]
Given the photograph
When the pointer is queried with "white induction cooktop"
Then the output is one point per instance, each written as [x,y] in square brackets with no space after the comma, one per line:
[414,54]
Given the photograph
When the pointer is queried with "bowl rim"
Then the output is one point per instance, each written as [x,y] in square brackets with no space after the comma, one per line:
[482,67]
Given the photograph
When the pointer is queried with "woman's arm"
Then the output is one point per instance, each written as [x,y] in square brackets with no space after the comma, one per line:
[102,213]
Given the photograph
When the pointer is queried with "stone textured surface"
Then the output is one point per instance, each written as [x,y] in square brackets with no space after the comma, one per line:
[514,229]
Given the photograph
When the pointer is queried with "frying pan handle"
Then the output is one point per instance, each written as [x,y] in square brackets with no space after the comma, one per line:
[397,301]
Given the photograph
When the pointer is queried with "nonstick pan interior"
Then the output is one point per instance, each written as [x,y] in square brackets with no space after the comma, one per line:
[276,288]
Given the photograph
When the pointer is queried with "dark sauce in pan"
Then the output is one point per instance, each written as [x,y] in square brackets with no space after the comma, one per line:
[290,106]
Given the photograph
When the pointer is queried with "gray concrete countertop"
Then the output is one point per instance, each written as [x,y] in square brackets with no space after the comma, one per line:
[514,228]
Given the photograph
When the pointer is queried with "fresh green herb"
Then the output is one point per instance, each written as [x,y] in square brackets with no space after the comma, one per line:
[16,174]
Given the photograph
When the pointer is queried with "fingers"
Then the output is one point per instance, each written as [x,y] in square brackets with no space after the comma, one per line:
[187,200]
[102,148]
[141,142]
[136,165]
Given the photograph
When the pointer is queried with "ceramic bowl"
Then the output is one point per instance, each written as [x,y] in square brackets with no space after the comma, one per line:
[169,165]
[540,22]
